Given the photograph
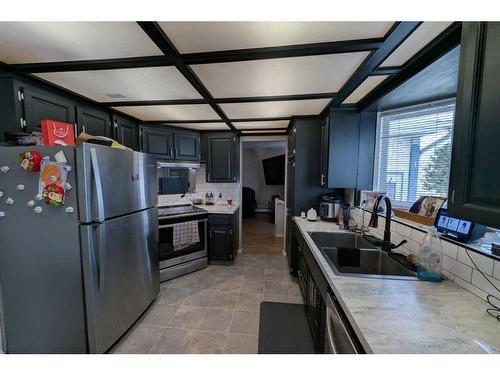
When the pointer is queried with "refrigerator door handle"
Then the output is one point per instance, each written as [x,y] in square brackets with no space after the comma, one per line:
[98,185]
[97,249]
[101,259]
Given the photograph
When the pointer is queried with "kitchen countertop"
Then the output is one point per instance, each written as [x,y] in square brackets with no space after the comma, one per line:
[219,208]
[403,316]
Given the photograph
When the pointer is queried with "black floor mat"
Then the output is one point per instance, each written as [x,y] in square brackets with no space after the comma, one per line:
[284,329]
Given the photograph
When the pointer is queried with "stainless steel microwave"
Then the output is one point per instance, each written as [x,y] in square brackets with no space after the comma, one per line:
[177,178]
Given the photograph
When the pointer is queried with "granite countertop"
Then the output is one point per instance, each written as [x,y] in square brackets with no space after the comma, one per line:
[219,208]
[404,316]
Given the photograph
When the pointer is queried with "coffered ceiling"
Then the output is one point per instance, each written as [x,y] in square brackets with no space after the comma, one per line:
[244,76]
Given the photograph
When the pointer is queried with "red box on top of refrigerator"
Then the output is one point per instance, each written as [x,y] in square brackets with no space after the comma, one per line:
[56,133]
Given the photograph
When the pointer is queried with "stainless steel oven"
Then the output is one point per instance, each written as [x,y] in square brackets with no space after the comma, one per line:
[179,261]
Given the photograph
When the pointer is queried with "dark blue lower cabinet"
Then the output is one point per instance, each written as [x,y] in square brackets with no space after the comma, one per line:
[223,236]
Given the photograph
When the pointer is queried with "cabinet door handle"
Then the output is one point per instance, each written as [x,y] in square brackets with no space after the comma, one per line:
[453,196]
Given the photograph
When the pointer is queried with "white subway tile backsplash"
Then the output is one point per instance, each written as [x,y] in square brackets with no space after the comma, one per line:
[449,249]
[404,230]
[381,223]
[397,238]
[483,263]
[482,283]
[471,288]
[417,235]
[412,245]
[457,268]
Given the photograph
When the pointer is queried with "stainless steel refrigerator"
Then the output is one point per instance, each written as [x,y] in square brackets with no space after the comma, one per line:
[74,278]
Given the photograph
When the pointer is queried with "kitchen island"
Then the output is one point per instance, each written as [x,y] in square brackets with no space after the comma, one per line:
[406,316]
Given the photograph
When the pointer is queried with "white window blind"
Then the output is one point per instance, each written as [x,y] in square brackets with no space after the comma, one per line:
[414,152]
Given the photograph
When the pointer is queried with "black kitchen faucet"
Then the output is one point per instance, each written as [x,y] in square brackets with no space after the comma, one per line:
[386,244]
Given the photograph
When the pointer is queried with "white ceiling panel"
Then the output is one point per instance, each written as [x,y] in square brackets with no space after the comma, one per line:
[202,126]
[126,84]
[362,90]
[274,109]
[217,36]
[294,75]
[184,112]
[34,42]
[415,42]
[261,124]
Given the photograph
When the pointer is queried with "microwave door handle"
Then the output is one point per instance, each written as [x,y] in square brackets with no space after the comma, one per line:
[98,185]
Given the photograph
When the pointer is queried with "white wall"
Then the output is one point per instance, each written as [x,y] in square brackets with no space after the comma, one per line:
[253,173]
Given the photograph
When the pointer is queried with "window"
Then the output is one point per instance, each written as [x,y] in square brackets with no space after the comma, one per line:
[414,151]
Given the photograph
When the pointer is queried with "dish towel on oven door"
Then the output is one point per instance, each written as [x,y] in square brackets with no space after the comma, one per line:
[185,234]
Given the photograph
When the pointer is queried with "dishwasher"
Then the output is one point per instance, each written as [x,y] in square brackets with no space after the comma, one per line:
[339,335]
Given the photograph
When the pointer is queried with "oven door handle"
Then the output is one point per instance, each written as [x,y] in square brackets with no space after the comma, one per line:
[172,225]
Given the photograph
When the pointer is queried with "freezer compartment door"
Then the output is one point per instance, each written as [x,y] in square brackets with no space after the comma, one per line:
[114,182]
[121,274]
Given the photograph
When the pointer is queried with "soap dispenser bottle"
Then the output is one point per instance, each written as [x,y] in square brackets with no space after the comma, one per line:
[429,257]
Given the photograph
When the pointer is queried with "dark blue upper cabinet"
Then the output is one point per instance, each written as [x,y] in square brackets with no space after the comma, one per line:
[125,131]
[223,160]
[347,149]
[157,141]
[39,105]
[170,144]
[187,146]
[94,121]
[474,190]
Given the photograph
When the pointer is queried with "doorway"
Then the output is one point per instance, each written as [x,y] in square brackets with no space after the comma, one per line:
[263,180]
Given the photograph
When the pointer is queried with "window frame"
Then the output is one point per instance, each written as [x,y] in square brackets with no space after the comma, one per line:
[399,204]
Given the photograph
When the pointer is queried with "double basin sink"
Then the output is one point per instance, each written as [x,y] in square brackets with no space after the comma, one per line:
[350,254]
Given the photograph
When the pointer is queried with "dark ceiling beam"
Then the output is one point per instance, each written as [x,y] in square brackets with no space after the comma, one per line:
[389,70]
[256,128]
[297,50]
[253,134]
[397,35]
[99,64]
[244,99]
[287,118]
[166,122]
[155,32]
[438,47]
[137,103]
[276,98]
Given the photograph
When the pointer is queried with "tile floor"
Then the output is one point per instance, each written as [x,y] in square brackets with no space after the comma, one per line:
[215,310]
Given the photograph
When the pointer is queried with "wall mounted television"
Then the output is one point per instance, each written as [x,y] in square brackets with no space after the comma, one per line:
[274,170]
